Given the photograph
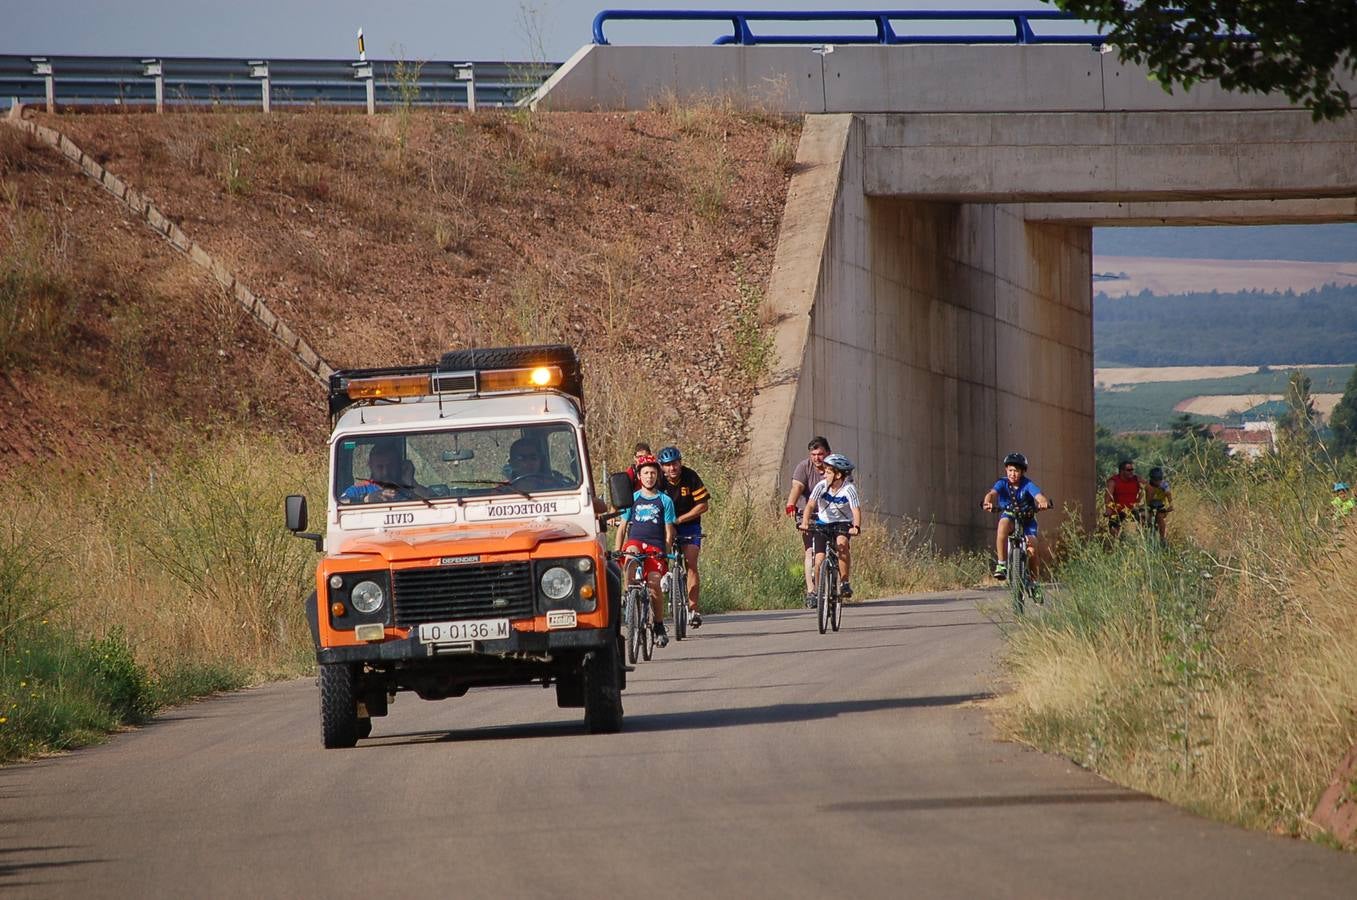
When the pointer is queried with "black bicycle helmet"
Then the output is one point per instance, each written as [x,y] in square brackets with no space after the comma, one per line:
[1156,473]
[1016,459]
[670,455]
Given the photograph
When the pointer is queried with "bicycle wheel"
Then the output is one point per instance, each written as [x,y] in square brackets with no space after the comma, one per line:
[824,590]
[678,601]
[836,613]
[631,625]
[647,629]
[1017,574]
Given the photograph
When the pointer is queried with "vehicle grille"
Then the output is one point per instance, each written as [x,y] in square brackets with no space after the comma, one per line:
[462,592]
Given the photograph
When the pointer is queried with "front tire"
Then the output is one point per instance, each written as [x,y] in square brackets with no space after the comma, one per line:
[603,690]
[678,602]
[824,590]
[631,626]
[1017,575]
[339,706]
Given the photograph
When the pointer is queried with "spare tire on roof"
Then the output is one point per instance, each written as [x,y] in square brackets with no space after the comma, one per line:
[562,355]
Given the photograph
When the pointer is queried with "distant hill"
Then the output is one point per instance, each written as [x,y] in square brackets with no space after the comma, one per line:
[1315,243]
[1246,328]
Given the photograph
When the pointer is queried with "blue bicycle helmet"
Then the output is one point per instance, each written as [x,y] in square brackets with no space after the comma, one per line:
[1340,486]
[839,462]
[670,455]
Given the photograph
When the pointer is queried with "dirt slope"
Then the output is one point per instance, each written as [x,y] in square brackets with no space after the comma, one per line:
[644,239]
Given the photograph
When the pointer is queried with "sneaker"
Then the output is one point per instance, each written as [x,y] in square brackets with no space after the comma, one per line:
[845,590]
[1001,571]
[694,619]
[661,635]
[810,599]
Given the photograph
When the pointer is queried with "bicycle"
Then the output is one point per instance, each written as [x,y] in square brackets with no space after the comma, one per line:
[828,600]
[678,591]
[638,615]
[1021,584]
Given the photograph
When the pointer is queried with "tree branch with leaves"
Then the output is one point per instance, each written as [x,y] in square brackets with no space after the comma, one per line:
[1302,48]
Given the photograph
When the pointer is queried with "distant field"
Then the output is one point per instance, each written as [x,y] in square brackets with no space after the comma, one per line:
[1148,404]
[1111,376]
[1225,404]
[1184,276]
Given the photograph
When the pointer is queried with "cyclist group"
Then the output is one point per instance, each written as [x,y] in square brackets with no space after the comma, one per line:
[1126,492]
[831,507]
[666,511]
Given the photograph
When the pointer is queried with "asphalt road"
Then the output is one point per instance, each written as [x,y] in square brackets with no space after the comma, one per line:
[758,759]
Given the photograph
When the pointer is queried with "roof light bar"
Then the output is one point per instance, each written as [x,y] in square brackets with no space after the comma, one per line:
[520,379]
[389,387]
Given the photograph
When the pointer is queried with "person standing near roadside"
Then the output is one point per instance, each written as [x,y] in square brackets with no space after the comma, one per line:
[808,473]
[691,498]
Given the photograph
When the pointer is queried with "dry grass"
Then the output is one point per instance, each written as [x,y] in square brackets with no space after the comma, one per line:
[1220,674]
[187,558]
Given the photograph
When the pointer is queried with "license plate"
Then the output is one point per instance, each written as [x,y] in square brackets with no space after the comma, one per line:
[471,630]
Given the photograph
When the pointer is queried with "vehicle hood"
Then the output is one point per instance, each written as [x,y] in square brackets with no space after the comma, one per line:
[458,540]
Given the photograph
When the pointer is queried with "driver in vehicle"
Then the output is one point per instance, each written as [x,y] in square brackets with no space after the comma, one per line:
[528,469]
[392,478]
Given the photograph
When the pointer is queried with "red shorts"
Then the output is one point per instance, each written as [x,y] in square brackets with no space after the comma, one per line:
[657,565]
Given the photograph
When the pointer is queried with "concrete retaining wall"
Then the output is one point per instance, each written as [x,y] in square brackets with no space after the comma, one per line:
[143,209]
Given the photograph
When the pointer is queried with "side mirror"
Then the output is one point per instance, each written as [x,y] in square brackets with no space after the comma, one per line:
[296,512]
[620,490]
[295,507]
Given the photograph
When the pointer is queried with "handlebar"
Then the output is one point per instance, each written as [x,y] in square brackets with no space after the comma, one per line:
[829,528]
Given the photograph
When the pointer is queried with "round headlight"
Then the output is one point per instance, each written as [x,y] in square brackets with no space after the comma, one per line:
[367,596]
[557,583]
[584,564]
[336,581]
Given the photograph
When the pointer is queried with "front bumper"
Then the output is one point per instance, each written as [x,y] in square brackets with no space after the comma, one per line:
[518,644]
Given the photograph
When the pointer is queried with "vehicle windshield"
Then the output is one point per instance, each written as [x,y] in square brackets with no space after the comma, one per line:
[466,462]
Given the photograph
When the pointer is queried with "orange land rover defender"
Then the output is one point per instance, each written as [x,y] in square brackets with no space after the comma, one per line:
[463,540]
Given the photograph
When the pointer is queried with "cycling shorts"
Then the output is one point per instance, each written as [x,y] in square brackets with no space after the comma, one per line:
[1031,528]
[690,533]
[650,565]
[819,539]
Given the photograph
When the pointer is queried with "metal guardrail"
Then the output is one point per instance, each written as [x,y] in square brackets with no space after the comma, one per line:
[193,81]
[885,31]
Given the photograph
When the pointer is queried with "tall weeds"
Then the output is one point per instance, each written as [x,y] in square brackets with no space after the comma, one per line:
[1219,673]
[142,584]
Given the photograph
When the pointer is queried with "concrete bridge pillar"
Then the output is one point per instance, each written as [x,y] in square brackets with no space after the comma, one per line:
[939,337]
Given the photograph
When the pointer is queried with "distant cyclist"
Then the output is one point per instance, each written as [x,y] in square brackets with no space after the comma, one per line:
[1123,495]
[1158,501]
[691,498]
[648,528]
[1013,492]
[808,473]
[834,501]
[641,451]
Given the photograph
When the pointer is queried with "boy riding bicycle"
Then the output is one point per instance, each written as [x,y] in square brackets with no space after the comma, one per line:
[833,501]
[1013,492]
[647,529]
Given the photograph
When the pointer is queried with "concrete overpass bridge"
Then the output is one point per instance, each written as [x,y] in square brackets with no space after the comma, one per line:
[932,286]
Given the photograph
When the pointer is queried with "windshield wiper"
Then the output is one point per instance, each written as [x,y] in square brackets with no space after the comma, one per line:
[411,488]
[499,484]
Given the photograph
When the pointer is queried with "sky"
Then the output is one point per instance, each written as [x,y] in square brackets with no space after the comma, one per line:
[481,30]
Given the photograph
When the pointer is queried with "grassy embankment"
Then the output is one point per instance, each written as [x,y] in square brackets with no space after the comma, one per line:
[1219,674]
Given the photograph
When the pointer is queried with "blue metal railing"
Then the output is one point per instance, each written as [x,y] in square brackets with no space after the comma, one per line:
[886,32]
[190,81]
